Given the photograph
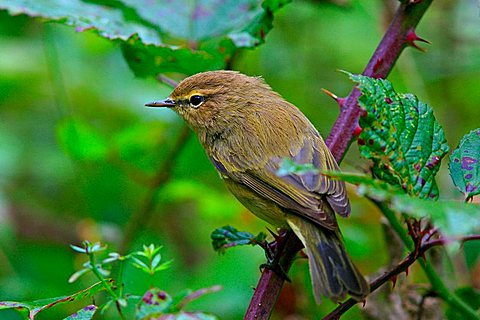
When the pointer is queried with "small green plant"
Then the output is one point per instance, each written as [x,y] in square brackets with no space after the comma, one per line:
[153,304]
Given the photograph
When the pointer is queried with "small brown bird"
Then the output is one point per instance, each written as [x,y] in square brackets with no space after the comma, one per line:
[247,130]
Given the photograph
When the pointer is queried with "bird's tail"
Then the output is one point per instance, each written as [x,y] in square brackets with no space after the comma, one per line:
[332,271]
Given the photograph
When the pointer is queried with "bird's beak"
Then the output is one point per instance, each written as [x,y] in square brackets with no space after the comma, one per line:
[167,103]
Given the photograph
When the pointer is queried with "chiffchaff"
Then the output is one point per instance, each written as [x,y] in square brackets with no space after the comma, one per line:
[247,130]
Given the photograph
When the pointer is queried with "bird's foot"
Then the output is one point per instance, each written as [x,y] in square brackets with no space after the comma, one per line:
[273,252]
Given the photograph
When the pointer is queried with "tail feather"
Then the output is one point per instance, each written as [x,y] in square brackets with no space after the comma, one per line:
[332,271]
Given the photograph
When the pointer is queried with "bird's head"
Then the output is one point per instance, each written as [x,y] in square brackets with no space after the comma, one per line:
[211,101]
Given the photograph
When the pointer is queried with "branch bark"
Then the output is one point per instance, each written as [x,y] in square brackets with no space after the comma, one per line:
[392,44]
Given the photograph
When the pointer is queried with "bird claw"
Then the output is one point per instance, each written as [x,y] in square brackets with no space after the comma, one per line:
[273,259]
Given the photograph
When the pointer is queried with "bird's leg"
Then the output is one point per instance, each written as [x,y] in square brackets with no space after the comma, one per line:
[273,252]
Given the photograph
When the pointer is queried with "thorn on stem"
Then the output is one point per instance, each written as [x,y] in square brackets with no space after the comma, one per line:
[340,101]
[411,37]
[394,281]
[357,131]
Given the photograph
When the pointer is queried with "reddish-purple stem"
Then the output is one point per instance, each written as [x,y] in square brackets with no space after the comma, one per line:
[394,41]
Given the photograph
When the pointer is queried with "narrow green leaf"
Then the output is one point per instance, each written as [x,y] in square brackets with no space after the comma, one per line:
[74,277]
[140,264]
[156,260]
[228,236]
[401,136]
[86,313]
[465,165]
[78,249]
[163,266]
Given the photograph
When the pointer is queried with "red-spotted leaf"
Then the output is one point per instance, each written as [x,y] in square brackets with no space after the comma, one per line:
[35,307]
[157,304]
[465,165]
[86,313]
[401,136]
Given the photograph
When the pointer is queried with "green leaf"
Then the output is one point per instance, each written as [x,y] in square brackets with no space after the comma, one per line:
[108,22]
[182,36]
[35,307]
[82,141]
[204,35]
[401,136]
[74,277]
[78,249]
[163,266]
[465,165]
[150,60]
[452,217]
[288,166]
[86,313]
[228,236]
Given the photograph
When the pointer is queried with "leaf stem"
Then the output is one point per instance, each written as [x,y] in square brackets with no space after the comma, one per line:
[108,288]
[100,277]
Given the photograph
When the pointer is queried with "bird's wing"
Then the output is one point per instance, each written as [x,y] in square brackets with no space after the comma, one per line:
[303,193]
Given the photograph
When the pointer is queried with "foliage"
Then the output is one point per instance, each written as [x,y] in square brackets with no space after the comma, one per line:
[153,257]
[401,136]
[155,302]
[180,36]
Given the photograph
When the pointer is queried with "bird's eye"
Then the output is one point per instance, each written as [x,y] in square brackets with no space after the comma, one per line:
[196,100]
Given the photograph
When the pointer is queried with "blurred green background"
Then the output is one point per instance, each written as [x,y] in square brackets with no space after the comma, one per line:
[58,87]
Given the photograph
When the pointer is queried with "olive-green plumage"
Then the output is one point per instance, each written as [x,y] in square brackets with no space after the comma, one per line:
[247,130]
